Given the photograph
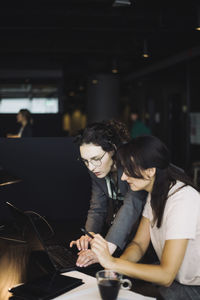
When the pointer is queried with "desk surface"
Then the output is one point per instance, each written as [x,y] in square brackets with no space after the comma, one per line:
[89,290]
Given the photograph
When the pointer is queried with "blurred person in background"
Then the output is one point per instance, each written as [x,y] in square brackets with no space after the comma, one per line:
[25,120]
[138,127]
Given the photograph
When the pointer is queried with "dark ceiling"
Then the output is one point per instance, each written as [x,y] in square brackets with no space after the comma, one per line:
[83,37]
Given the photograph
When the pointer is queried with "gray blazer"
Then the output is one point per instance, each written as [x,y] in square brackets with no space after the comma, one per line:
[126,218]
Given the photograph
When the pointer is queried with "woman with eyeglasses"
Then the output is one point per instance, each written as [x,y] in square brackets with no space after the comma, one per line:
[98,145]
[171,221]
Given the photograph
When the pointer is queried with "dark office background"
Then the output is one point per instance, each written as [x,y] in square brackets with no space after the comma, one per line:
[100,58]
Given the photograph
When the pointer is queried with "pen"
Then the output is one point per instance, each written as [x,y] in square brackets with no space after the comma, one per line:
[86,232]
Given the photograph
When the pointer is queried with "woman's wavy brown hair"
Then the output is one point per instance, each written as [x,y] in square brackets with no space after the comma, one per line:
[110,135]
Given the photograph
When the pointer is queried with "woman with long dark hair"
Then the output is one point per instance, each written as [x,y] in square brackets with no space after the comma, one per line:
[98,144]
[171,221]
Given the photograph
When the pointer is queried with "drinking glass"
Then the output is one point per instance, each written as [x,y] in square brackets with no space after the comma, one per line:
[109,282]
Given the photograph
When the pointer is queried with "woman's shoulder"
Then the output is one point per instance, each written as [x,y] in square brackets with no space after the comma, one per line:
[182,192]
[179,185]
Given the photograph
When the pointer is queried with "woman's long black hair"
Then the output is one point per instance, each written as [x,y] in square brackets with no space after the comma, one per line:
[146,152]
[110,135]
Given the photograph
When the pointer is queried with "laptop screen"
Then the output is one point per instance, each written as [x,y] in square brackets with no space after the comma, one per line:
[30,222]
[39,235]
[36,231]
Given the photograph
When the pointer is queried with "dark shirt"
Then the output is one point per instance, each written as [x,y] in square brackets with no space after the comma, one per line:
[126,219]
[139,128]
[27,131]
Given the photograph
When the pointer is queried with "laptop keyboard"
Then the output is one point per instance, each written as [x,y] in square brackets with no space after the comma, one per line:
[62,257]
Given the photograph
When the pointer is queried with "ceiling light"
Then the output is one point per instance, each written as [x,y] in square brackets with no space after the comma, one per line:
[121,3]
[94,81]
[115,66]
[115,71]
[198,19]
[145,53]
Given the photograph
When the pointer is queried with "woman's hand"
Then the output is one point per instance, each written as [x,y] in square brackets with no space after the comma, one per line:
[86,258]
[100,247]
[82,243]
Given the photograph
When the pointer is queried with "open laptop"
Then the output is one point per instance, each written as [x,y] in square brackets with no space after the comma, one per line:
[47,282]
[37,232]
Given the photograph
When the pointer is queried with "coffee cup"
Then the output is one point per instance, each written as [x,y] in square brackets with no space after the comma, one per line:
[109,283]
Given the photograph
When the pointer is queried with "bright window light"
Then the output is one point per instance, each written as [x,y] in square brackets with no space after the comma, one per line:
[44,105]
[34,105]
[9,106]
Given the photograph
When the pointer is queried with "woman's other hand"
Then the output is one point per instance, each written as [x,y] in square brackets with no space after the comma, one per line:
[100,247]
[82,243]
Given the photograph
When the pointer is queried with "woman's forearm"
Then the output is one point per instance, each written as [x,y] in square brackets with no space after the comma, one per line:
[152,273]
[133,252]
[162,274]
[138,246]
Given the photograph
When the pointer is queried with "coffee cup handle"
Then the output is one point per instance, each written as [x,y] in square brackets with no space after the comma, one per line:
[127,283]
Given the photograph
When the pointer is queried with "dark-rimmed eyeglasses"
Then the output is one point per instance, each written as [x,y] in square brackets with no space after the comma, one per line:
[96,162]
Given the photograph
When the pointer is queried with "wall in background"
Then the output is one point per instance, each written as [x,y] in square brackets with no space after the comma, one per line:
[53,184]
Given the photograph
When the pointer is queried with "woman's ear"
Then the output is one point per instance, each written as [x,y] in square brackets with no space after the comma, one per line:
[150,172]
